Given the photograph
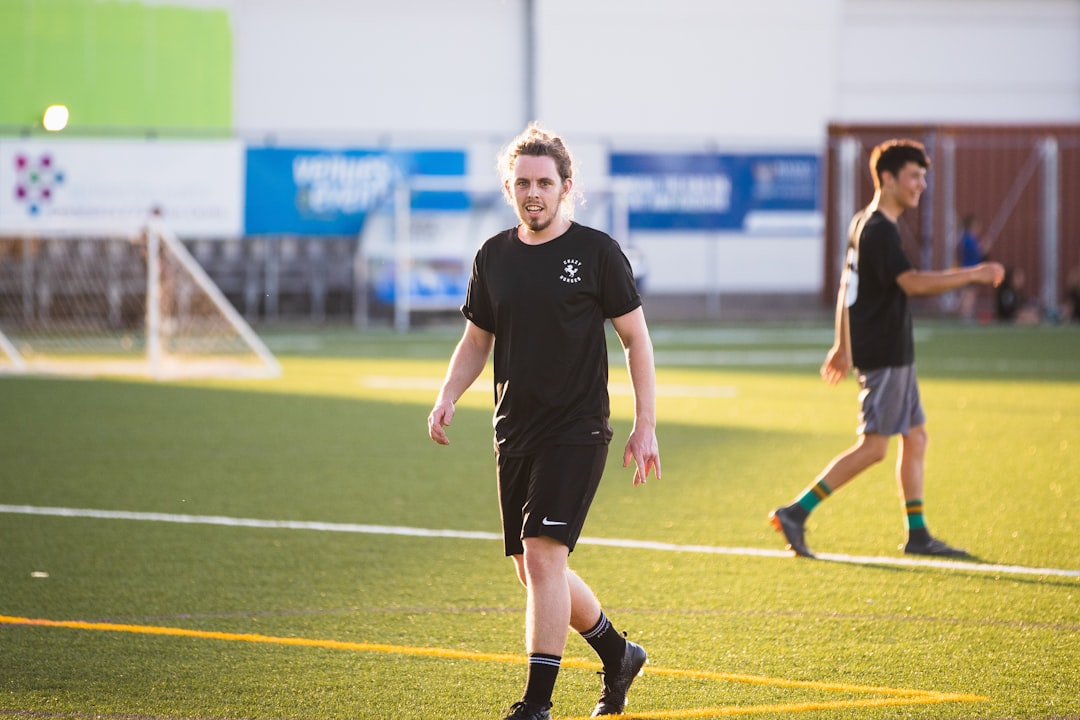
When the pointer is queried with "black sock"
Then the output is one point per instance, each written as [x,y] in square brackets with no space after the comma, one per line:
[543,670]
[919,536]
[607,642]
[797,511]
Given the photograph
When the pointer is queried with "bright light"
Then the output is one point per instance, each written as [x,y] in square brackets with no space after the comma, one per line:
[56,118]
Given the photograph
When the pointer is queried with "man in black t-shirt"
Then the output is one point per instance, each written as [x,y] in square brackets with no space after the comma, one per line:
[539,295]
[873,333]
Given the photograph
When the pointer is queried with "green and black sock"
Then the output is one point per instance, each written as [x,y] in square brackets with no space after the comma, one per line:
[915,521]
[809,499]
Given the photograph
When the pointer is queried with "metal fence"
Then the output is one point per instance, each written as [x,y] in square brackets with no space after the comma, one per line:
[1022,182]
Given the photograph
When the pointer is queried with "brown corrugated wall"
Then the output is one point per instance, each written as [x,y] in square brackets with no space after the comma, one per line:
[998,173]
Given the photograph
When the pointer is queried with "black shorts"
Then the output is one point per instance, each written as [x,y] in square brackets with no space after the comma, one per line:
[548,493]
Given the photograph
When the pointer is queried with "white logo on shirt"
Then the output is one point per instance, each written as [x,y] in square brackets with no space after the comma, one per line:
[851,268]
[571,270]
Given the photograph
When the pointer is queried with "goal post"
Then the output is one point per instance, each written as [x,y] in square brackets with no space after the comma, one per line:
[135,304]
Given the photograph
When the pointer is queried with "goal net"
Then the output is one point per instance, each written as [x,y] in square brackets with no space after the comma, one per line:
[137,305]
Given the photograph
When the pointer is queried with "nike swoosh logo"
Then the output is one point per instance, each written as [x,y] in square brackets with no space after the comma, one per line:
[545,521]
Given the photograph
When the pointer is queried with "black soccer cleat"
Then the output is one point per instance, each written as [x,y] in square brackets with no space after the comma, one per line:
[529,711]
[616,684]
[792,529]
[933,547]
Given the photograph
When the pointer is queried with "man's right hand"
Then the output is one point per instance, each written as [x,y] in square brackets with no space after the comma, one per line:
[441,416]
[991,273]
[837,365]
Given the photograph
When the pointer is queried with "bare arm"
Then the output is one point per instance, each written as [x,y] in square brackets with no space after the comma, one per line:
[642,445]
[838,363]
[468,361]
[934,282]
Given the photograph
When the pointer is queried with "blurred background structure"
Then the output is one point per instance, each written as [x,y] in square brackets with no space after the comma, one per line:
[333,161]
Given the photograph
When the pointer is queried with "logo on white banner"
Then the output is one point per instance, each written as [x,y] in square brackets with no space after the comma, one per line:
[36,181]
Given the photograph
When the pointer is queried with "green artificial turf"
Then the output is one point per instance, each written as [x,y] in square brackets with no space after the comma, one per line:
[338,619]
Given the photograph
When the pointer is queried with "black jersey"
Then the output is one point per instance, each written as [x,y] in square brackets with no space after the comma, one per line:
[879,317]
[546,305]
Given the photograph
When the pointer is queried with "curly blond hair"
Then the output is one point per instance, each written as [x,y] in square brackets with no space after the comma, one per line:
[538,142]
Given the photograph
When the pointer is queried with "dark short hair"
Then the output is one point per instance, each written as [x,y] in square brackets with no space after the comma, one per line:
[892,155]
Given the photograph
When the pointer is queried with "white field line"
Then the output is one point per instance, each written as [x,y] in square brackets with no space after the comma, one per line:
[479,535]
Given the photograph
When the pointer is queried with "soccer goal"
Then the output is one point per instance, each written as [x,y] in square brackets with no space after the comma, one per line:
[116,304]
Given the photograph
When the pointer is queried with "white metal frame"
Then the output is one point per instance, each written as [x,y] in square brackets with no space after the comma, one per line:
[157,365]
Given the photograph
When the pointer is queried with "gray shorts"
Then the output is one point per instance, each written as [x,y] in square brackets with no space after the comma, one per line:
[890,401]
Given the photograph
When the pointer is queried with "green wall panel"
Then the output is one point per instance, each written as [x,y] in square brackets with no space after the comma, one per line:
[120,66]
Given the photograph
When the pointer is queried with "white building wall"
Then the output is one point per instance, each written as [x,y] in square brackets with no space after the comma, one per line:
[647,73]
[348,71]
[963,61]
[683,71]
[678,75]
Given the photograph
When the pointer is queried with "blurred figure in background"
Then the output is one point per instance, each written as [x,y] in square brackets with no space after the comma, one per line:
[1007,298]
[873,334]
[1071,311]
[972,253]
[1012,301]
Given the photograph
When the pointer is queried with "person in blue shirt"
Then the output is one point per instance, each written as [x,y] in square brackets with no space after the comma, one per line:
[971,253]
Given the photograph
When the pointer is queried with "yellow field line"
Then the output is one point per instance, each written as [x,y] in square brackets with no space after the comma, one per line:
[895,696]
[732,710]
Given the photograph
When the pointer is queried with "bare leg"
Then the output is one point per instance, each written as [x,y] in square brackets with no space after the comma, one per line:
[842,469]
[584,607]
[910,475]
[544,572]
[911,463]
[845,467]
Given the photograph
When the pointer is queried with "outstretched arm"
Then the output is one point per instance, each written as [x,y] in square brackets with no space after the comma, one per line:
[934,282]
[466,364]
[642,445]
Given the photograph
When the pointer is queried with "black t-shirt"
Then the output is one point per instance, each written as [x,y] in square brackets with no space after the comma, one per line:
[546,305]
[879,318]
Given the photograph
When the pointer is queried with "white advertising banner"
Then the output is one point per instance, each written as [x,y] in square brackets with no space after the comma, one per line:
[63,187]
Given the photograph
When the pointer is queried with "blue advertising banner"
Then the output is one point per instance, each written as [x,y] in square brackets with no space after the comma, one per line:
[319,192]
[708,191]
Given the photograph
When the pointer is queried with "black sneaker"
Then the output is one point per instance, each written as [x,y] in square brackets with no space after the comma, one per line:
[934,547]
[613,698]
[529,711]
[792,530]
